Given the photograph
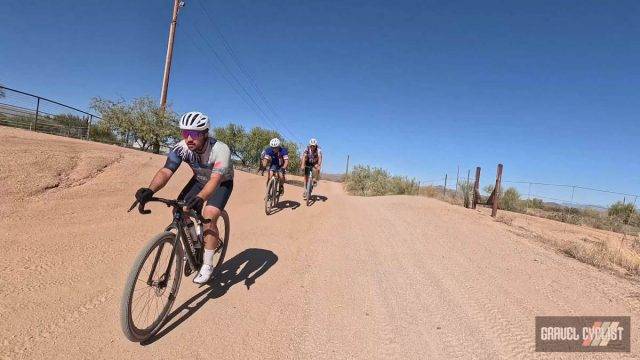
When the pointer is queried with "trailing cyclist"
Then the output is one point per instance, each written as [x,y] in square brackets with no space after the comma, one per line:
[278,157]
[210,187]
[311,161]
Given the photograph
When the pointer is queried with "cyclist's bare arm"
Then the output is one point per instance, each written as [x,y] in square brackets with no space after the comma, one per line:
[304,161]
[286,164]
[211,186]
[160,179]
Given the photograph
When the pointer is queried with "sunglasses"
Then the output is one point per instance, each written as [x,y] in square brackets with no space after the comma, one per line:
[195,134]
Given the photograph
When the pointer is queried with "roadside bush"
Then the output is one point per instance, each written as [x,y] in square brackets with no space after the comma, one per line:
[368,181]
[533,203]
[622,211]
[466,189]
[510,200]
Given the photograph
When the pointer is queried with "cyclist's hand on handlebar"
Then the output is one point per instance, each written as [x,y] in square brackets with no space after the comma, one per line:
[143,195]
[196,203]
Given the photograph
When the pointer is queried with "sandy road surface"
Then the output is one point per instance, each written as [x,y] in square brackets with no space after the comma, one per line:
[390,277]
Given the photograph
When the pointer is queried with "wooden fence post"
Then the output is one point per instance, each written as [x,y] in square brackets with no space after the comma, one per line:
[476,187]
[496,190]
[444,191]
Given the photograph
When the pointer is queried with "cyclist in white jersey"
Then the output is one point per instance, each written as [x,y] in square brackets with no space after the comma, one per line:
[211,185]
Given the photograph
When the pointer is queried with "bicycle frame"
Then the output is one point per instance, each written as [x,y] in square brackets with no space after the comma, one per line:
[180,240]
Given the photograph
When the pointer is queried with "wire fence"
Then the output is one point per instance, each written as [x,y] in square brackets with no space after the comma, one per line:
[560,195]
[27,111]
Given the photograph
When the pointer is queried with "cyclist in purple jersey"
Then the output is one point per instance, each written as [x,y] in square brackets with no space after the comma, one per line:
[311,160]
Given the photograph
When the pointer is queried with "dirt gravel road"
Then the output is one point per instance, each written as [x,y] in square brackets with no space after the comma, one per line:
[390,277]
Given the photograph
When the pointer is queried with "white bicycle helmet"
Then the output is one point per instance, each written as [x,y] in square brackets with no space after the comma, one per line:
[275,142]
[313,142]
[194,120]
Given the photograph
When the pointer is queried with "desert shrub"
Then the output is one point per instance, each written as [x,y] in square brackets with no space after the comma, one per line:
[402,185]
[466,189]
[566,217]
[622,211]
[368,181]
[510,200]
[533,203]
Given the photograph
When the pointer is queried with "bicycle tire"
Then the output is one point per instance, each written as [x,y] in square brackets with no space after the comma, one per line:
[309,188]
[276,193]
[225,239]
[267,197]
[130,330]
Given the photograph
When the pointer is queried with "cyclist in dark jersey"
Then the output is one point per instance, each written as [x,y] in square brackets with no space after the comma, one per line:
[278,157]
[311,160]
[211,185]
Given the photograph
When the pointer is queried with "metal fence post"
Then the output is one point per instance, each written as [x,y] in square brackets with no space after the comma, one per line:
[89,126]
[35,123]
[496,190]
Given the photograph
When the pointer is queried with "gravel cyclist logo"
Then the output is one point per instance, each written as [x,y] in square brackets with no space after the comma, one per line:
[583,333]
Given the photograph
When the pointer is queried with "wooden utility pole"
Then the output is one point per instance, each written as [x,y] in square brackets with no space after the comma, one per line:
[496,191]
[177,4]
[476,187]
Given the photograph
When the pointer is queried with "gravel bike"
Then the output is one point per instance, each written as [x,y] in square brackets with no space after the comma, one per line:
[154,280]
[308,187]
[272,196]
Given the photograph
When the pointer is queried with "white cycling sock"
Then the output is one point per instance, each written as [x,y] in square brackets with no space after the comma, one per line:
[208,257]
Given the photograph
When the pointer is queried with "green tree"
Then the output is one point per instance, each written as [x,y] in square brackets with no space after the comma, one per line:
[70,120]
[140,122]
[235,137]
[257,139]
[101,133]
[294,156]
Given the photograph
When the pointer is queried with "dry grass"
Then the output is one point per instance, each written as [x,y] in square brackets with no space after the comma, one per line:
[505,219]
[618,254]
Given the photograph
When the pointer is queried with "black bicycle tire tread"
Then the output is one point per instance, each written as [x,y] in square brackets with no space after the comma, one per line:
[125,304]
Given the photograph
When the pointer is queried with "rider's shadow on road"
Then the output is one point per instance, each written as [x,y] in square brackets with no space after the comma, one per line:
[286,204]
[247,266]
[315,198]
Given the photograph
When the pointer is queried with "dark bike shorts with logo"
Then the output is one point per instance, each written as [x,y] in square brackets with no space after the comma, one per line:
[218,199]
[276,168]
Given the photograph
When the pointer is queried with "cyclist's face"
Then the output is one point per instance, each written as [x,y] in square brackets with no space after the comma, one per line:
[194,139]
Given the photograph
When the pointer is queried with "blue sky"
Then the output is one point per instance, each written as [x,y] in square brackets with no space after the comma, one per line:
[549,88]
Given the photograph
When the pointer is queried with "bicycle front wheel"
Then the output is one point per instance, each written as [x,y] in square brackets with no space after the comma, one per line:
[309,188]
[268,202]
[151,287]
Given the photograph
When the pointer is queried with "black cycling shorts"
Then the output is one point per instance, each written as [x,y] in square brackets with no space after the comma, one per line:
[218,199]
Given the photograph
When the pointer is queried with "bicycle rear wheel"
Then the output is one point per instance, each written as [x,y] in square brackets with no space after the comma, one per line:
[151,287]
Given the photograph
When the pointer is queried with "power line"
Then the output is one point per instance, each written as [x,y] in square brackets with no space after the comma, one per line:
[248,75]
[228,80]
[253,104]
